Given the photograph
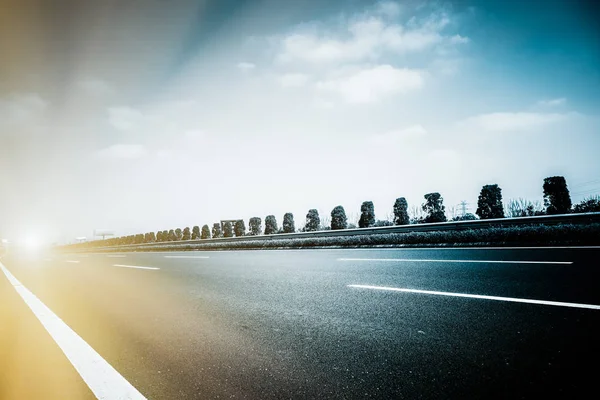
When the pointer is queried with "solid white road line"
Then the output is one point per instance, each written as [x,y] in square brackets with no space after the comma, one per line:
[133,266]
[457,261]
[73,261]
[103,380]
[116,256]
[478,296]
[186,256]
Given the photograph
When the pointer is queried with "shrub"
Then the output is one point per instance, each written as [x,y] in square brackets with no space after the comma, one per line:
[338,218]
[312,221]
[401,212]
[288,223]
[270,225]
[240,228]
[255,226]
[434,208]
[367,215]
[465,217]
[172,236]
[196,232]
[383,223]
[216,230]
[489,204]
[591,204]
[227,229]
[529,235]
[205,232]
[557,199]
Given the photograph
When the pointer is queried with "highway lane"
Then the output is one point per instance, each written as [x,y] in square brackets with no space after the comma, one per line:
[285,324]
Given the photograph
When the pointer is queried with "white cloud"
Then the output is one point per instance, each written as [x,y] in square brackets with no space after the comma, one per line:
[123,151]
[246,66]
[97,87]
[403,135]
[126,119]
[293,80]
[552,102]
[373,84]
[164,154]
[21,108]
[444,156]
[389,9]
[512,121]
[322,103]
[366,37]
[458,39]
[446,66]
[194,133]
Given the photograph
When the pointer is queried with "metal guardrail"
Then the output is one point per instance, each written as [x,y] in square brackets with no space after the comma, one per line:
[584,218]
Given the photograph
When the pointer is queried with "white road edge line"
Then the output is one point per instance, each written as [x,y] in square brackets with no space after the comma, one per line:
[479,296]
[73,261]
[185,256]
[458,261]
[102,379]
[116,256]
[133,266]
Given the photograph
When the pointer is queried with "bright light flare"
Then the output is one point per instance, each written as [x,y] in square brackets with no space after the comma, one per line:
[31,243]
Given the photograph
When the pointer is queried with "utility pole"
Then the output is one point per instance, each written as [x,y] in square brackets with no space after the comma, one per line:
[463,204]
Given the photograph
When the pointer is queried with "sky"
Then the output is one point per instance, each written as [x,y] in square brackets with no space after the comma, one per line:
[138,116]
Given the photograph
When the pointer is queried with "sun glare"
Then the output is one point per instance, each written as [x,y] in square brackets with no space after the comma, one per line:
[31,243]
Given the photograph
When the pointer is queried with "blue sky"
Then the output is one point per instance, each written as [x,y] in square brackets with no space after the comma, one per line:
[163,114]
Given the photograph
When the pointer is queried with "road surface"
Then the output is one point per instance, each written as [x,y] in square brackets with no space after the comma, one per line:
[369,323]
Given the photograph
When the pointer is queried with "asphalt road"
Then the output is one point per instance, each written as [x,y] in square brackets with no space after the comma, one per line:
[286,324]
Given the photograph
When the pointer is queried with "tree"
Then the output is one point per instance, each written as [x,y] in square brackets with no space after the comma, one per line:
[325,222]
[255,226]
[338,218]
[367,215]
[288,223]
[205,232]
[195,232]
[186,234]
[227,229]
[216,230]
[159,236]
[557,199]
[165,235]
[401,212]
[172,237]
[489,204]
[434,208]
[178,234]
[151,237]
[239,228]
[417,215]
[270,225]
[523,208]
[591,204]
[312,221]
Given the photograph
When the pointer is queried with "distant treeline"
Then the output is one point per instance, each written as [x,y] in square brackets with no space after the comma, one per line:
[557,200]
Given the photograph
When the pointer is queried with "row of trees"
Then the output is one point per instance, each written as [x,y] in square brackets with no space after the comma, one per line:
[557,200]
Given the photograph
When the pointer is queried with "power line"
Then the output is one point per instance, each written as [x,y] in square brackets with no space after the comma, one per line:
[587,191]
[578,185]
